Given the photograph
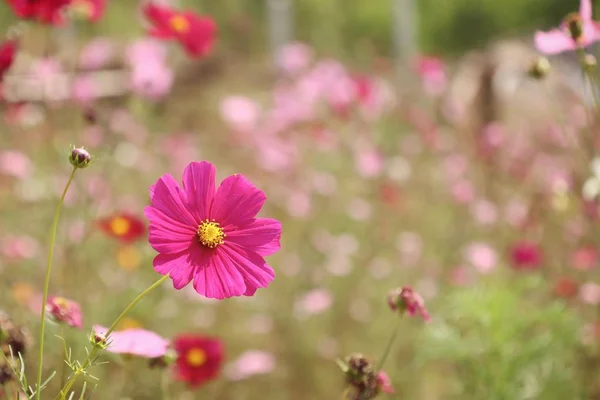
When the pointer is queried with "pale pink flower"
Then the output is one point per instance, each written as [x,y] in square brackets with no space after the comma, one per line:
[96,54]
[463,192]
[368,162]
[136,342]
[294,58]
[433,75]
[584,258]
[250,363]
[19,247]
[484,212]
[16,164]
[482,257]
[299,204]
[83,90]
[590,293]
[560,39]
[151,80]
[241,114]
[359,209]
[317,301]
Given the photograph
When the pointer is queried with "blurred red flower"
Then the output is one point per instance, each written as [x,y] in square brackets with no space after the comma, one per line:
[46,11]
[8,49]
[125,227]
[566,288]
[195,32]
[199,359]
[526,255]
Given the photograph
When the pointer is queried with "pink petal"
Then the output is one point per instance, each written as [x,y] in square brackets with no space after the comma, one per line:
[167,235]
[553,42]
[237,201]
[261,236]
[199,184]
[585,10]
[221,279]
[168,197]
[182,267]
[591,33]
[256,272]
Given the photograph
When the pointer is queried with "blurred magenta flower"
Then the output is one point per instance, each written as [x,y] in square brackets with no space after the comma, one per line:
[384,382]
[65,311]
[16,164]
[195,32]
[433,75]
[135,342]
[199,359]
[211,236]
[294,58]
[525,255]
[250,363]
[8,50]
[46,11]
[240,113]
[576,31]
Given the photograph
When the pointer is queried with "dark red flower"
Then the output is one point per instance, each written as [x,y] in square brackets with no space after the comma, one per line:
[199,359]
[195,32]
[8,49]
[124,227]
[526,255]
[46,11]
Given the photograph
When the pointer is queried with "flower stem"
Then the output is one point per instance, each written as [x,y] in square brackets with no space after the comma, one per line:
[47,282]
[388,348]
[97,349]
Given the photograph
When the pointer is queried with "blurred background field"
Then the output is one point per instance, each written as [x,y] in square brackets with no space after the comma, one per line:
[469,191]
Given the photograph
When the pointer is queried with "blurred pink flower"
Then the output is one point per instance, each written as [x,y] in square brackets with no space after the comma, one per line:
[136,342]
[516,212]
[359,209]
[463,192]
[295,58]
[146,50]
[459,276]
[481,256]
[484,212]
[525,255]
[410,246]
[433,75]
[299,204]
[368,161]
[19,247]
[96,54]
[250,363]
[406,301]
[240,113]
[590,293]
[316,301]
[151,80]
[16,164]
[584,258]
[65,311]
[384,382]
[561,39]
[83,90]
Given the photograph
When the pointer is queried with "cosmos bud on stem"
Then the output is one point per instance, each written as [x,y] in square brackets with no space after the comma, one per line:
[79,157]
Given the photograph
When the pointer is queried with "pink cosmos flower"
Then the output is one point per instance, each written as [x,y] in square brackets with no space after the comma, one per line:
[96,54]
[294,58]
[16,164]
[585,258]
[211,236]
[526,255]
[384,382]
[253,362]
[64,311]
[136,342]
[482,256]
[316,301]
[563,39]
[432,72]
[241,113]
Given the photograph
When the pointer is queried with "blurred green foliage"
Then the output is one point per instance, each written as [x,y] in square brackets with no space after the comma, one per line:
[505,343]
[348,27]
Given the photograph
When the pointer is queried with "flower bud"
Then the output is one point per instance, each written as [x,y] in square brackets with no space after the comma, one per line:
[80,157]
[98,340]
[406,301]
[540,68]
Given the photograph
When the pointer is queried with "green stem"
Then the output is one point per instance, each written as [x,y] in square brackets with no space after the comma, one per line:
[164,385]
[97,348]
[63,367]
[388,348]
[47,282]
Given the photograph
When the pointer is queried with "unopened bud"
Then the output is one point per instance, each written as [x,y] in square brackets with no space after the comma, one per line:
[574,24]
[98,340]
[539,68]
[79,157]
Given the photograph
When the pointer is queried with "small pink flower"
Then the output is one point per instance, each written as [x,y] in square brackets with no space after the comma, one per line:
[209,235]
[482,256]
[484,212]
[96,54]
[585,258]
[433,75]
[526,255]
[15,164]
[561,39]
[250,363]
[136,342]
[295,58]
[590,293]
[19,247]
[152,80]
[369,162]
[240,113]
[84,91]
[64,311]
[406,300]
[316,301]
[384,382]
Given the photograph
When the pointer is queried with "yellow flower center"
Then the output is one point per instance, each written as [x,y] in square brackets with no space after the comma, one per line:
[211,234]
[196,357]
[179,24]
[119,226]
[82,8]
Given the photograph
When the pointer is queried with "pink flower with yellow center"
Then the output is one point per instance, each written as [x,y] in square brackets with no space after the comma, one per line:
[64,311]
[211,236]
